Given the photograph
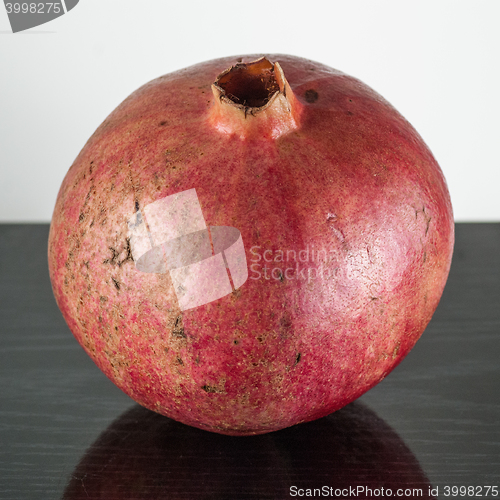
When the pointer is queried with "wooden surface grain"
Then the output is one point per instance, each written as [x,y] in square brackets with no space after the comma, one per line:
[67,432]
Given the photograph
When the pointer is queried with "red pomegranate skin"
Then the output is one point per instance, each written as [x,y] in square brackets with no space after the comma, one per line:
[346,175]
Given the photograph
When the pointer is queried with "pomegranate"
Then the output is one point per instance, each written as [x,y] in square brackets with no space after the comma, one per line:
[252,253]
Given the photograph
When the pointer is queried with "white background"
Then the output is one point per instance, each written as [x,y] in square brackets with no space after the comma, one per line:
[436,61]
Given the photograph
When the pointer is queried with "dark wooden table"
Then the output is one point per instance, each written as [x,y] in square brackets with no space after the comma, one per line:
[67,432]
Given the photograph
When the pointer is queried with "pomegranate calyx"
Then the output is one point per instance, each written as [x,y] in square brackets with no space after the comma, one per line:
[257,90]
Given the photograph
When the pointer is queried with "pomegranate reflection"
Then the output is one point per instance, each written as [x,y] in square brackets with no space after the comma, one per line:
[145,455]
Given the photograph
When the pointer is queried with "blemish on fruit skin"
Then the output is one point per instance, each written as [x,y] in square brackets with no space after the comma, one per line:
[383,356]
[178,330]
[115,254]
[281,277]
[210,388]
[331,218]
[396,349]
[116,283]
[311,96]
[338,233]
[286,321]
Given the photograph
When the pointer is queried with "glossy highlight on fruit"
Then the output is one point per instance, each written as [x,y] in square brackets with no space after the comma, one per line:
[251,243]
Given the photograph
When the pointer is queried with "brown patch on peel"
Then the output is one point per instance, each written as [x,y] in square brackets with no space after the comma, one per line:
[178,329]
[116,283]
[396,350]
[121,256]
[311,96]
